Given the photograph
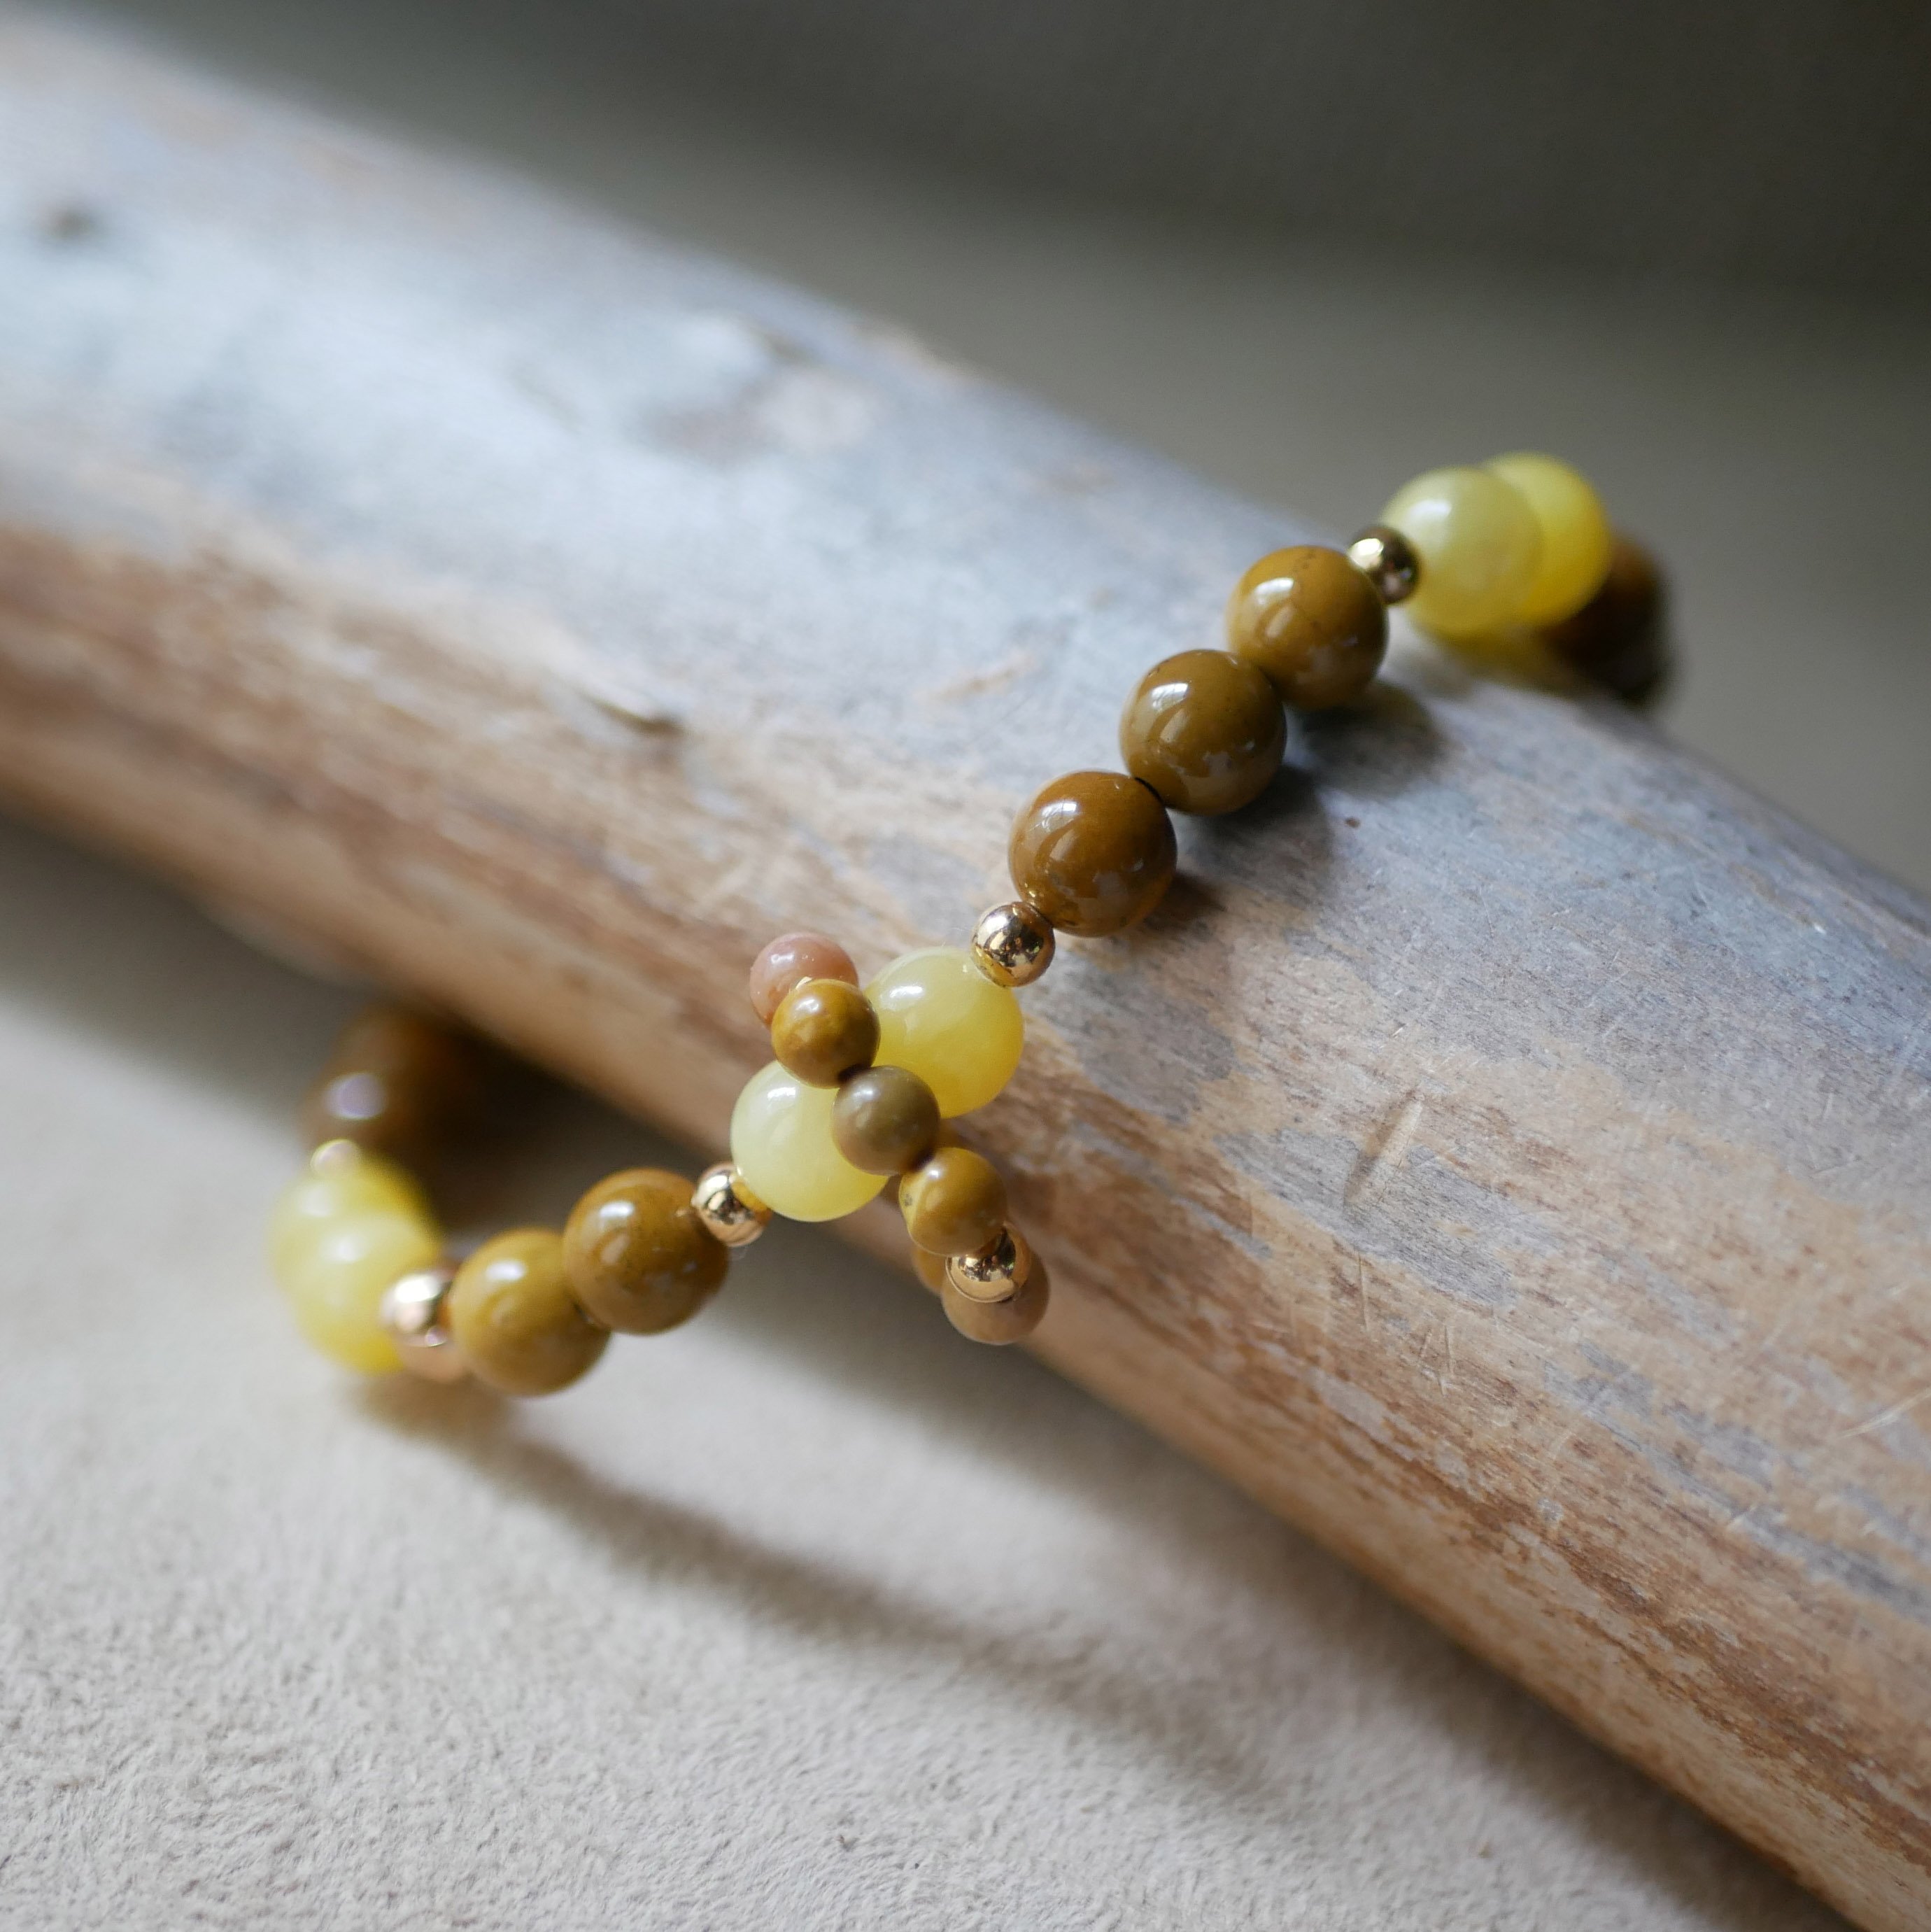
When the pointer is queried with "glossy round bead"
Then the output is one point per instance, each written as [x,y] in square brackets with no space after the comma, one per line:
[336,1278]
[998,1323]
[1478,546]
[1013,944]
[518,1326]
[954,1204]
[1388,560]
[885,1119]
[1204,731]
[782,1144]
[789,962]
[341,1181]
[395,1082]
[411,1314]
[824,1029]
[1094,852]
[940,1017]
[637,1257]
[1619,639]
[996,1273]
[727,1207]
[1574,556]
[1312,622]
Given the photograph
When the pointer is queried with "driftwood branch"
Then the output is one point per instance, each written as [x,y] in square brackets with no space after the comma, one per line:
[1508,1154]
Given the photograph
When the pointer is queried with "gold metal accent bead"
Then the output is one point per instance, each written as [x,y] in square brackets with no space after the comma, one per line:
[727,1208]
[1013,944]
[1389,562]
[411,1315]
[995,1273]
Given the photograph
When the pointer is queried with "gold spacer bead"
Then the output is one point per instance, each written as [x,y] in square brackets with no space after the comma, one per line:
[1389,562]
[727,1208]
[1013,944]
[411,1315]
[995,1273]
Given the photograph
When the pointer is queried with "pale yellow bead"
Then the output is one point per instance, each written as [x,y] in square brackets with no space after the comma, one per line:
[940,1017]
[1575,536]
[340,1180]
[1478,547]
[782,1143]
[336,1280]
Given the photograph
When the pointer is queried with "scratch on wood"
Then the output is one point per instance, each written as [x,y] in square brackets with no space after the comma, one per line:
[1381,1159]
[1883,1417]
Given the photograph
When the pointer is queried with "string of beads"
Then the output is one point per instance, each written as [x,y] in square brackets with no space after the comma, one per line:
[864,1081]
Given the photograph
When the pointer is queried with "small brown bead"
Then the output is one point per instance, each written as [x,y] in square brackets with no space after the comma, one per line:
[789,962]
[514,1318]
[998,1323]
[637,1258]
[1013,944]
[954,1204]
[1205,730]
[396,1083]
[1619,639]
[1094,852]
[823,1030]
[929,1267]
[1309,619]
[885,1121]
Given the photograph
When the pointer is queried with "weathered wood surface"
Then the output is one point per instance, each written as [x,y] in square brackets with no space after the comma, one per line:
[1507,1156]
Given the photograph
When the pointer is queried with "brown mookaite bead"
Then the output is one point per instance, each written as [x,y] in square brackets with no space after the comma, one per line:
[1205,730]
[930,1268]
[789,962]
[1312,622]
[1000,1322]
[823,1030]
[1619,639]
[954,1204]
[512,1313]
[885,1121]
[635,1254]
[396,1082]
[1094,852]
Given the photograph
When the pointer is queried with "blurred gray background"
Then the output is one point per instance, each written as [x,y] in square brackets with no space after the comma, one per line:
[1310,249]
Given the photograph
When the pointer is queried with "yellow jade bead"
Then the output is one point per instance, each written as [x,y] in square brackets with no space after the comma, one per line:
[1479,545]
[342,1181]
[940,1017]
[782,1143]
[335,1278]
[1575,536]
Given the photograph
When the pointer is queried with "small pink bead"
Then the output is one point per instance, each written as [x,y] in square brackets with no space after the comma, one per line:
[797,956]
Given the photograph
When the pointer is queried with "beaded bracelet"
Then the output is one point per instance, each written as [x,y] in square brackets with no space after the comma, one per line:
[864,1082]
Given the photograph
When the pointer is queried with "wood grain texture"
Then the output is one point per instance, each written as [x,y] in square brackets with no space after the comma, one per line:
[1507,1154]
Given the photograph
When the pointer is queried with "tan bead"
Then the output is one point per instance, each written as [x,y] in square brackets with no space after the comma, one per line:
[1309,619]
[824,1029]
[636,1256]
[999,1323]
[411,1313]
[1013,944]
[954,1204]
[1389,562]
[996,1273]
[789,962]
[1204,730]
[726,1206]
[930,1268]
[396,1083]
[1620,638]
[514,1318]
[1094,852]
[885,1121]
